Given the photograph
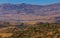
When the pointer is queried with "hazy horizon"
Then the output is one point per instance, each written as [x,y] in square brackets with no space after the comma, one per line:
[34,2]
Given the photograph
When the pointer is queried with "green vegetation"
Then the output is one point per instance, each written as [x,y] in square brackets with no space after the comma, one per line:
[38,30]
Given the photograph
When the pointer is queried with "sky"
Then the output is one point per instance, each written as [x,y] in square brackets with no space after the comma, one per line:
[35,2]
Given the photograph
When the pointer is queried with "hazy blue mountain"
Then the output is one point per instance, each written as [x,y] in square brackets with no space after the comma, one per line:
[24,10]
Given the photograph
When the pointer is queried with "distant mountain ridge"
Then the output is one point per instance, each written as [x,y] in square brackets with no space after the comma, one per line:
[28,8]
[24,10]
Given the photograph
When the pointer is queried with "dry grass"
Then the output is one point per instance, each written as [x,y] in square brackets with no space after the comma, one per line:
[6,34]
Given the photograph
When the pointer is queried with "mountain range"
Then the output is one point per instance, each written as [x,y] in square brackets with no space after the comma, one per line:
[27,12]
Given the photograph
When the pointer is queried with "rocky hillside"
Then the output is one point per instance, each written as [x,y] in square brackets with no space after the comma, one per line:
[28,12]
